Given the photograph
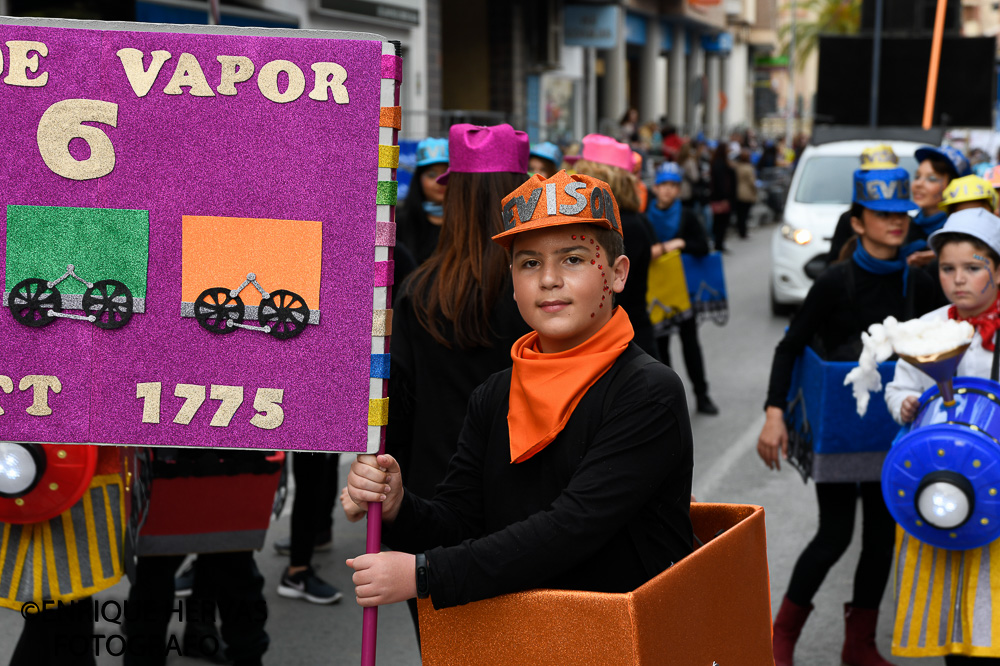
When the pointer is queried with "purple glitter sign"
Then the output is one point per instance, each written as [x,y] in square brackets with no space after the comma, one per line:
[263,130]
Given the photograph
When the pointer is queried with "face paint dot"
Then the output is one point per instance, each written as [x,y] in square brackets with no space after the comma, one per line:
[583,238]
[598,255]
[603,297]
[591,314]
[592,261]
[574,236]
[591,241]
[601,305]
[599,266]
[602,275]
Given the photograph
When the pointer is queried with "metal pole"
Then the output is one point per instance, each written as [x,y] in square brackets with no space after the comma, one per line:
[213,12]
[932,72]
[876,65]
[790,102]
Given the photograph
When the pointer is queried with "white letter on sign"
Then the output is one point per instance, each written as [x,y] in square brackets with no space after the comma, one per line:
[267,81]
[330,78]
[62,122]
[188,74]
[235,69]
[20,63]
[141,79]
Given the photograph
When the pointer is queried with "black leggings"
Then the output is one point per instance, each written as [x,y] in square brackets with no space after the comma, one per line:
[316,493]
[691,348]
[837,506]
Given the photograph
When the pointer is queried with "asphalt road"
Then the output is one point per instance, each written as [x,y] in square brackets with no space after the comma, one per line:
[727,469]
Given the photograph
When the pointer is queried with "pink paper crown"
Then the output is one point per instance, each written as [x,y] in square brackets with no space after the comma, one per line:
[605,150]
[476,149]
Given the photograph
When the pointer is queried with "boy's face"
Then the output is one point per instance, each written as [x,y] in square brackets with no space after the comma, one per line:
[968,278]
[666,193]
[563,284]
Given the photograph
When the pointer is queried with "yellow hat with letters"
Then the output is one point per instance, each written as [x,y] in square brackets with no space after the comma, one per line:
[968,188]
[879,157]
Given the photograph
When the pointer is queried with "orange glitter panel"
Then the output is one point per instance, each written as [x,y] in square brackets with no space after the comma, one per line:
[712,606]
[221,251]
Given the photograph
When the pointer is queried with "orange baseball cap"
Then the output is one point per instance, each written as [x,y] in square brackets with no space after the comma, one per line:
[559,200]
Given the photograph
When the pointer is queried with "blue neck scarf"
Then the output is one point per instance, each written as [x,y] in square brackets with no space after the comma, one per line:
[666,221]
[930,223]
[433,209]
[881,266]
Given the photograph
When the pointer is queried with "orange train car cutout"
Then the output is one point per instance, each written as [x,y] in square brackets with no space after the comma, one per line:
[711,607]
[231,264]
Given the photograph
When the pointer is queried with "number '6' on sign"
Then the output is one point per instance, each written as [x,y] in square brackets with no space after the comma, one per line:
[62,122]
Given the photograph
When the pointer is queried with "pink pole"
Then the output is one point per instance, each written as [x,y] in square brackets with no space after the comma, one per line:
[369,625]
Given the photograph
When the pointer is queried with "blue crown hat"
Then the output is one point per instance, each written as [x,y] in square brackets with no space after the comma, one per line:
[669,172]
[548,151]
[432,151]
[955,157]
[886,190]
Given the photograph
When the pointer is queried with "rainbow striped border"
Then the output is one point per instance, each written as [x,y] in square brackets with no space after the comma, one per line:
[385,240]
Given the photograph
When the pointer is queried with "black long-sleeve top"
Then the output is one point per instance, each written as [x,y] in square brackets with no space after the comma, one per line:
[639,239]
[834,315]
[604,507]
[430,385]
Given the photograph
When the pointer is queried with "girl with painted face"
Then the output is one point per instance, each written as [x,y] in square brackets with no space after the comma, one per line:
[872,284]
[938,614]
[418,225]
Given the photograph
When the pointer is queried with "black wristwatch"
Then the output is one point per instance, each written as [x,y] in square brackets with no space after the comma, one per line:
[423,586]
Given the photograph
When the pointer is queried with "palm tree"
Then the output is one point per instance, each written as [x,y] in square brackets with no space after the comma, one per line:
[826,17]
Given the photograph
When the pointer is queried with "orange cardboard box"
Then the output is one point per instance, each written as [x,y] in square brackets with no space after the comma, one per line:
[712,607]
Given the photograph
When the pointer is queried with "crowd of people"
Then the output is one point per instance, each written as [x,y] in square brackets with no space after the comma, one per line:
[536,431]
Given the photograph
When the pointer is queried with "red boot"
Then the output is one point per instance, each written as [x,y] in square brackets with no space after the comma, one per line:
[859,638]
[787,627]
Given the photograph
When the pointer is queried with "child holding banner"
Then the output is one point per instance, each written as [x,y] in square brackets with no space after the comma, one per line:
[678,228]
[573,469]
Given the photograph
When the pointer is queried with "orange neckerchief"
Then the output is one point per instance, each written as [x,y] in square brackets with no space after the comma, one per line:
[546,388]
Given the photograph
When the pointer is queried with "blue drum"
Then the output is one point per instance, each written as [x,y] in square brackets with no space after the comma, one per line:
[941,480]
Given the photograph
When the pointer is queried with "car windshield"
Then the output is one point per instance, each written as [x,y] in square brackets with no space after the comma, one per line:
[828,179]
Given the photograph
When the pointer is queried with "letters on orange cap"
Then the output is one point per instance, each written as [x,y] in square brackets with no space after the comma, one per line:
[561,199]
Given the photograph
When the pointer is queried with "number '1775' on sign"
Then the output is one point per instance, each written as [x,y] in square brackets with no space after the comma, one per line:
[266,403]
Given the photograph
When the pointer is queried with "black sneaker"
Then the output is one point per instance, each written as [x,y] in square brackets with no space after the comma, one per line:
[184,582]
[202,641]
[706,406]
[307,585]
[324,542]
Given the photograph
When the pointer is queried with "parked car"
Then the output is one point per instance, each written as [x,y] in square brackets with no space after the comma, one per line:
[820,192]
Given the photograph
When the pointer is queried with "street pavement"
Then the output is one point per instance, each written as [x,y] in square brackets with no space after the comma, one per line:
[727,469]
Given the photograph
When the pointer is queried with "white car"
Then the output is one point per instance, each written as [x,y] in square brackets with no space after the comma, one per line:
[821,190]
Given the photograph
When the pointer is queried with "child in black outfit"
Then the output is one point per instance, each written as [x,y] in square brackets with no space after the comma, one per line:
[581,482]
[678,228]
